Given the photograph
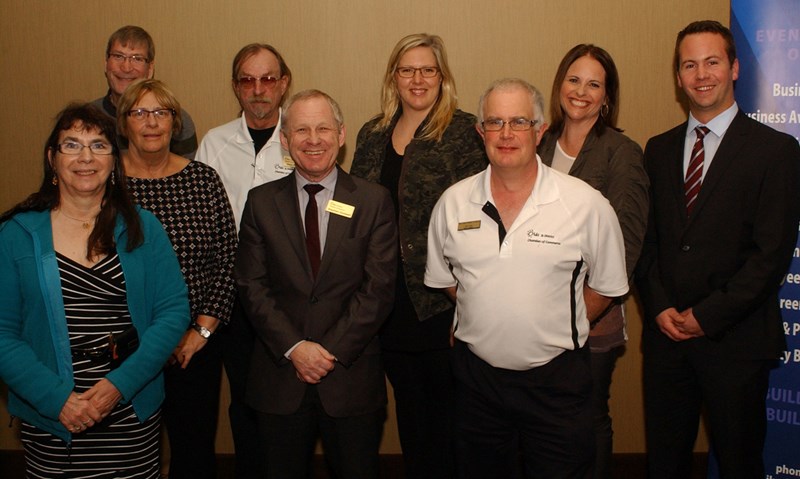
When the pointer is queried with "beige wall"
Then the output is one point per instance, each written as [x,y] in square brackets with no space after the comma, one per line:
[53,52]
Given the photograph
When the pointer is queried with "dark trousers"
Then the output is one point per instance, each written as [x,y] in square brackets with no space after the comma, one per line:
[237,347]
[603,364]
[680,379]
[350,443]
[424,400]
[190,413]
[541,416]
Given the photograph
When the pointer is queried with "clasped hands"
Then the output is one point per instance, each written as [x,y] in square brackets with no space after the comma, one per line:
[312,362]
[84,410]
[679,326]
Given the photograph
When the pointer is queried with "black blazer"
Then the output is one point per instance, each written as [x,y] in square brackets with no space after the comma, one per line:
[726,260]
[342,309]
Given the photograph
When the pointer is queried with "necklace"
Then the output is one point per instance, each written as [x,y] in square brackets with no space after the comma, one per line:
[85,224]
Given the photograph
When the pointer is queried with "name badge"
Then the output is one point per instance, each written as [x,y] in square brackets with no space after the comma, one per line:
[469,225]
[341,209]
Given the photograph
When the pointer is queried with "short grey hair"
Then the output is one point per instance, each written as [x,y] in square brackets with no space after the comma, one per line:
[537,100]
[307,95]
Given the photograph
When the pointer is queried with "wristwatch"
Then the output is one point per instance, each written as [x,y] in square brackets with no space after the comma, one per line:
[202,330]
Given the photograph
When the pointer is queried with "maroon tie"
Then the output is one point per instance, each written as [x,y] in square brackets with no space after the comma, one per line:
[694,174]
[312,227]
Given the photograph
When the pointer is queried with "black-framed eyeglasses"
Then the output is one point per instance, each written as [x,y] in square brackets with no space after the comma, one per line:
[140,114]
[75,148]
[516,124]
[268,81]
[135,59]
[409,72]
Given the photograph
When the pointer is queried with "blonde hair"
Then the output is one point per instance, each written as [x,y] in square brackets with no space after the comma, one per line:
[446,103]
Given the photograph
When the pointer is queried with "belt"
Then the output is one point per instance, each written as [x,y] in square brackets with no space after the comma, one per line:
[98,352]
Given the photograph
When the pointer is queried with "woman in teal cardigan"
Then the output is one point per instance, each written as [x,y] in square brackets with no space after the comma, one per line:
[81,226]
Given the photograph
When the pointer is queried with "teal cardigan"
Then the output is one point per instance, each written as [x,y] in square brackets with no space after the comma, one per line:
[35,357]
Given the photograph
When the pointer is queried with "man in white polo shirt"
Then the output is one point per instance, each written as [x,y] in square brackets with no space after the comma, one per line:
[530,256]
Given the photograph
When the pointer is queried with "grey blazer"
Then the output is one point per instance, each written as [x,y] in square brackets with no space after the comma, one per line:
[342,309]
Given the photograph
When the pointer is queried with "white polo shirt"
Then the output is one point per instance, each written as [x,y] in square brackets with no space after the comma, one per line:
[229,150]
[520,304]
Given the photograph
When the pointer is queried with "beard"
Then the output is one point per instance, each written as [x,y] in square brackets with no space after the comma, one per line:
[261,107]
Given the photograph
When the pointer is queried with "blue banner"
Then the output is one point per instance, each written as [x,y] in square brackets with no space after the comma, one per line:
[767,35]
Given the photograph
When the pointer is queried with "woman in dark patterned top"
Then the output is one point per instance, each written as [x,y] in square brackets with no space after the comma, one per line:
[418,145]
[190,201]
[80,263]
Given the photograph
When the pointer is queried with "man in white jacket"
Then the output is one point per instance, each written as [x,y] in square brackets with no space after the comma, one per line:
[247,152]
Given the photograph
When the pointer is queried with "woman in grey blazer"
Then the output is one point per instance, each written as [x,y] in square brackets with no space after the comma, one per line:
[583,140]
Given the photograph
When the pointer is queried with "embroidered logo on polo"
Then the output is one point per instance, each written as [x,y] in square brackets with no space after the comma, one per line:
[285,167]
[542,238]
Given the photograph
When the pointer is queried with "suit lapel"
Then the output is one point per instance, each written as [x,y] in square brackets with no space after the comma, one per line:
[338,225]
[288,208]
[731,144]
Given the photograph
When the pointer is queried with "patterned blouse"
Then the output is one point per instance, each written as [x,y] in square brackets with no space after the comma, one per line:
[193,207]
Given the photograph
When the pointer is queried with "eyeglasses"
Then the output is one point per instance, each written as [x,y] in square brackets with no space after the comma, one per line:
[250,82]
[516,124]
[135,59]
[75,148]
[409,72]
[140,114]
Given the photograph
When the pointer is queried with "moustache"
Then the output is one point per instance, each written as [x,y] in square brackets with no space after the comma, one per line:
[266,100]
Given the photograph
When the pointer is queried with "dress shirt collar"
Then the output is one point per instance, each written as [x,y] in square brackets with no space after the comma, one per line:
[329,182]
[718,125]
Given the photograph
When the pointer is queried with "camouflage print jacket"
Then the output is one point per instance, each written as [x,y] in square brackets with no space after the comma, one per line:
[429,168]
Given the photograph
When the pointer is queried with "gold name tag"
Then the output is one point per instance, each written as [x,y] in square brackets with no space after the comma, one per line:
[341,209]
[469,225]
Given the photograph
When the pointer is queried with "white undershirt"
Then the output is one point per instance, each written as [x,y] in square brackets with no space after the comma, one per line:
[562,161]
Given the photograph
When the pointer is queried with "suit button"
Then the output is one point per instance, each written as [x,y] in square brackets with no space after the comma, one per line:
[313,300]
[410,246]
[685,248]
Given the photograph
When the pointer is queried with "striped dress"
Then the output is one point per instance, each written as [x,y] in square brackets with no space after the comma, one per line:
[120,446]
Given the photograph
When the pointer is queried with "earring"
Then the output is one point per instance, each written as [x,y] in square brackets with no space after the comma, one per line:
[113,182]
[604,110]
[55,180]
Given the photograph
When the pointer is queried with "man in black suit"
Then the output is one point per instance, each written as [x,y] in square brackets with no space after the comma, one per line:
[316,271]
[722,227]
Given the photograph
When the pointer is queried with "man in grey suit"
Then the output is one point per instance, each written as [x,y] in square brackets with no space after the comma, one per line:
[723,221]
[316,271]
